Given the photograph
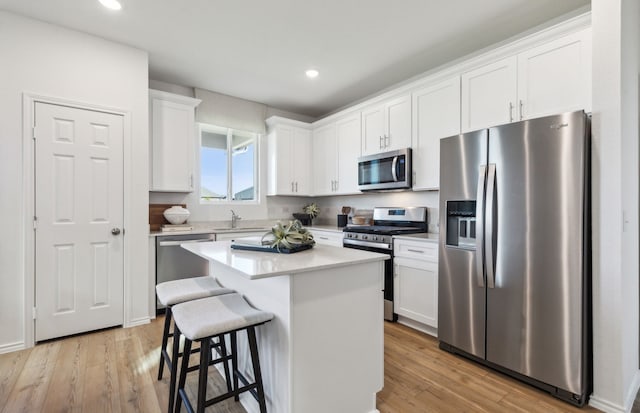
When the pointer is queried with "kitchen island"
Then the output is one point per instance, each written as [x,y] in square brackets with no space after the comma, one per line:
[323,351]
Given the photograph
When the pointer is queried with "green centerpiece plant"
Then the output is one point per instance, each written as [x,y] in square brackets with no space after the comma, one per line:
[289,236]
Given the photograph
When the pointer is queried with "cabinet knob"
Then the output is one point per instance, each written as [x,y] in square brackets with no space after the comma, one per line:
[115,231]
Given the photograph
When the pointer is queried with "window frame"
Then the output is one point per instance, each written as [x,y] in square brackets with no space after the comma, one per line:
[206,127]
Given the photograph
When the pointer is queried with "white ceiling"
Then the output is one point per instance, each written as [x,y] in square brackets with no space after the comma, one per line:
[259,50]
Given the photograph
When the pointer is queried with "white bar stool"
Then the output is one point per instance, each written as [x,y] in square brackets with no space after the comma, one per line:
[201,320]
[175,292]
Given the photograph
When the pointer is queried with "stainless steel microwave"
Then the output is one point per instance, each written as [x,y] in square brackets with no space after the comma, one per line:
[384,171]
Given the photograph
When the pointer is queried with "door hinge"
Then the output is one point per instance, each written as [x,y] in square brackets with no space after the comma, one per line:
[34,313]
[35,222]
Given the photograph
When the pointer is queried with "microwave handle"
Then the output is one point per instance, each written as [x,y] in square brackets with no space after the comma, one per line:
[394,166]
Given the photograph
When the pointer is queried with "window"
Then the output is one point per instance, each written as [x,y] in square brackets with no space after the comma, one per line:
[228,160]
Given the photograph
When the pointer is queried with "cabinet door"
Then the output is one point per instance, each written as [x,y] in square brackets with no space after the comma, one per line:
[373,130]
[280,147]
[172,134]
[397,124]
[324,160]
[348,151]
[489,95]
[555,77]
[436,115]
[300,162]
[416,290]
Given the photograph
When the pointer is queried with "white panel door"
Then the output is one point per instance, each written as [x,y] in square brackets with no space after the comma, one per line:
[300,162]
[436,115]
[555,77]
[489,95]
[348,152]
[78,202]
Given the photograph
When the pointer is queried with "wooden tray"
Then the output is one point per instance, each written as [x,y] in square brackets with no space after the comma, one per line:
[266,248]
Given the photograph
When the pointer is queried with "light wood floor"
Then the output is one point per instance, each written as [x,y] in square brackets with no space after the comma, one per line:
[115,371]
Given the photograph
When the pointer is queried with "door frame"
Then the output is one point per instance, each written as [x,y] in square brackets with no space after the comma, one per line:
[29,100]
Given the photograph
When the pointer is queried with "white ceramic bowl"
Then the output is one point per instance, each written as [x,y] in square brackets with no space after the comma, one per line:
[176,214]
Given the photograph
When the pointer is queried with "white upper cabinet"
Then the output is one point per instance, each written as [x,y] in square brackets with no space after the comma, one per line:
[348,150]
[172,126]
[387,127]
[436,115]
[325,159]
[289,157]
[489,95]
[336,148]
[554,77]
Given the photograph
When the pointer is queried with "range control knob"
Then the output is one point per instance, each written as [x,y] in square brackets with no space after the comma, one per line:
[365,237]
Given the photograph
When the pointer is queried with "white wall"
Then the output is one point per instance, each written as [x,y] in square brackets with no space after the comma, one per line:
[48,60]
[269,208]
[616,67]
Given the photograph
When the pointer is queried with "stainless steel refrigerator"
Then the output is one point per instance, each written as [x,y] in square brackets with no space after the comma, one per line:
[514,259]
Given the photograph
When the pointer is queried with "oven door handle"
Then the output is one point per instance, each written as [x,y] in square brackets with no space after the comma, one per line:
[366,244]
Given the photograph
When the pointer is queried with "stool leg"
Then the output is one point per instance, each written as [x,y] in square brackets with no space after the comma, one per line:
[173,367]
[165,338]
[234,362]
[186,353]
[253,347]
[223,349]
[205,355]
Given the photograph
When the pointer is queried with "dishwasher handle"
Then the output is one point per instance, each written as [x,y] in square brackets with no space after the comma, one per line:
[187,241]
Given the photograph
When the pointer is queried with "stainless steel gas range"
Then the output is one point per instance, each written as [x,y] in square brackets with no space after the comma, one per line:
[387,222]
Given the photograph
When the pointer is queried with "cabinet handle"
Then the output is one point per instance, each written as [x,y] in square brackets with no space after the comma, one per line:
[191,181]
[521,111]
[291,186]
[418,251]
[296,186]
[387,141]
[337,185]
[510,112]
[325,238]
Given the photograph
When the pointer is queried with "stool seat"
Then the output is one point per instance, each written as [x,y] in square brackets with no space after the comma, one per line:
[212,316]
[179,291]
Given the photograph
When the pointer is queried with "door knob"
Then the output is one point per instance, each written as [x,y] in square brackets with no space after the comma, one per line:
[115,231]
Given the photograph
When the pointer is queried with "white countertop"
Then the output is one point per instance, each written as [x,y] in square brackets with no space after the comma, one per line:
[255,265]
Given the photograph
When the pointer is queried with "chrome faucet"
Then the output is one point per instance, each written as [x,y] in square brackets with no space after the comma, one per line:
[234,218]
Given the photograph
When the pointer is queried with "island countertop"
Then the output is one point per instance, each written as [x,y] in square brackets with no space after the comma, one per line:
[255,264]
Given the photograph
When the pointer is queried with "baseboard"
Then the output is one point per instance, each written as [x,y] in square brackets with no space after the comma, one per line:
[11,347]
[609,407]
[137,322]
[416,325]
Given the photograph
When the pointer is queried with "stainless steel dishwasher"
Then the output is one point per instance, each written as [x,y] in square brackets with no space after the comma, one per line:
[174,262]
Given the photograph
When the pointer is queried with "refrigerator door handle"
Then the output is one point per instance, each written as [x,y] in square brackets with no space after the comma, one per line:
[490,226]
[482,179]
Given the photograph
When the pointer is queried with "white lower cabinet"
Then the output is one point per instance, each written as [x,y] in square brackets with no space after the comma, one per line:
[415,284]
[327,237]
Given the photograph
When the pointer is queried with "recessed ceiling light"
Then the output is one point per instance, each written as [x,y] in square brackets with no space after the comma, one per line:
[111,4]
[311,73]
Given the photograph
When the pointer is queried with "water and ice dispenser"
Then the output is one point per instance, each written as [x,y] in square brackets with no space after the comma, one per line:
[461,224]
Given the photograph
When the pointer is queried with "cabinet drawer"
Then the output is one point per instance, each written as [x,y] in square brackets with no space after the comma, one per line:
[328,237]
[421,250]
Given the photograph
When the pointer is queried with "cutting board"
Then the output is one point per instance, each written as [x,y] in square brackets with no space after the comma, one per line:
[156,219]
